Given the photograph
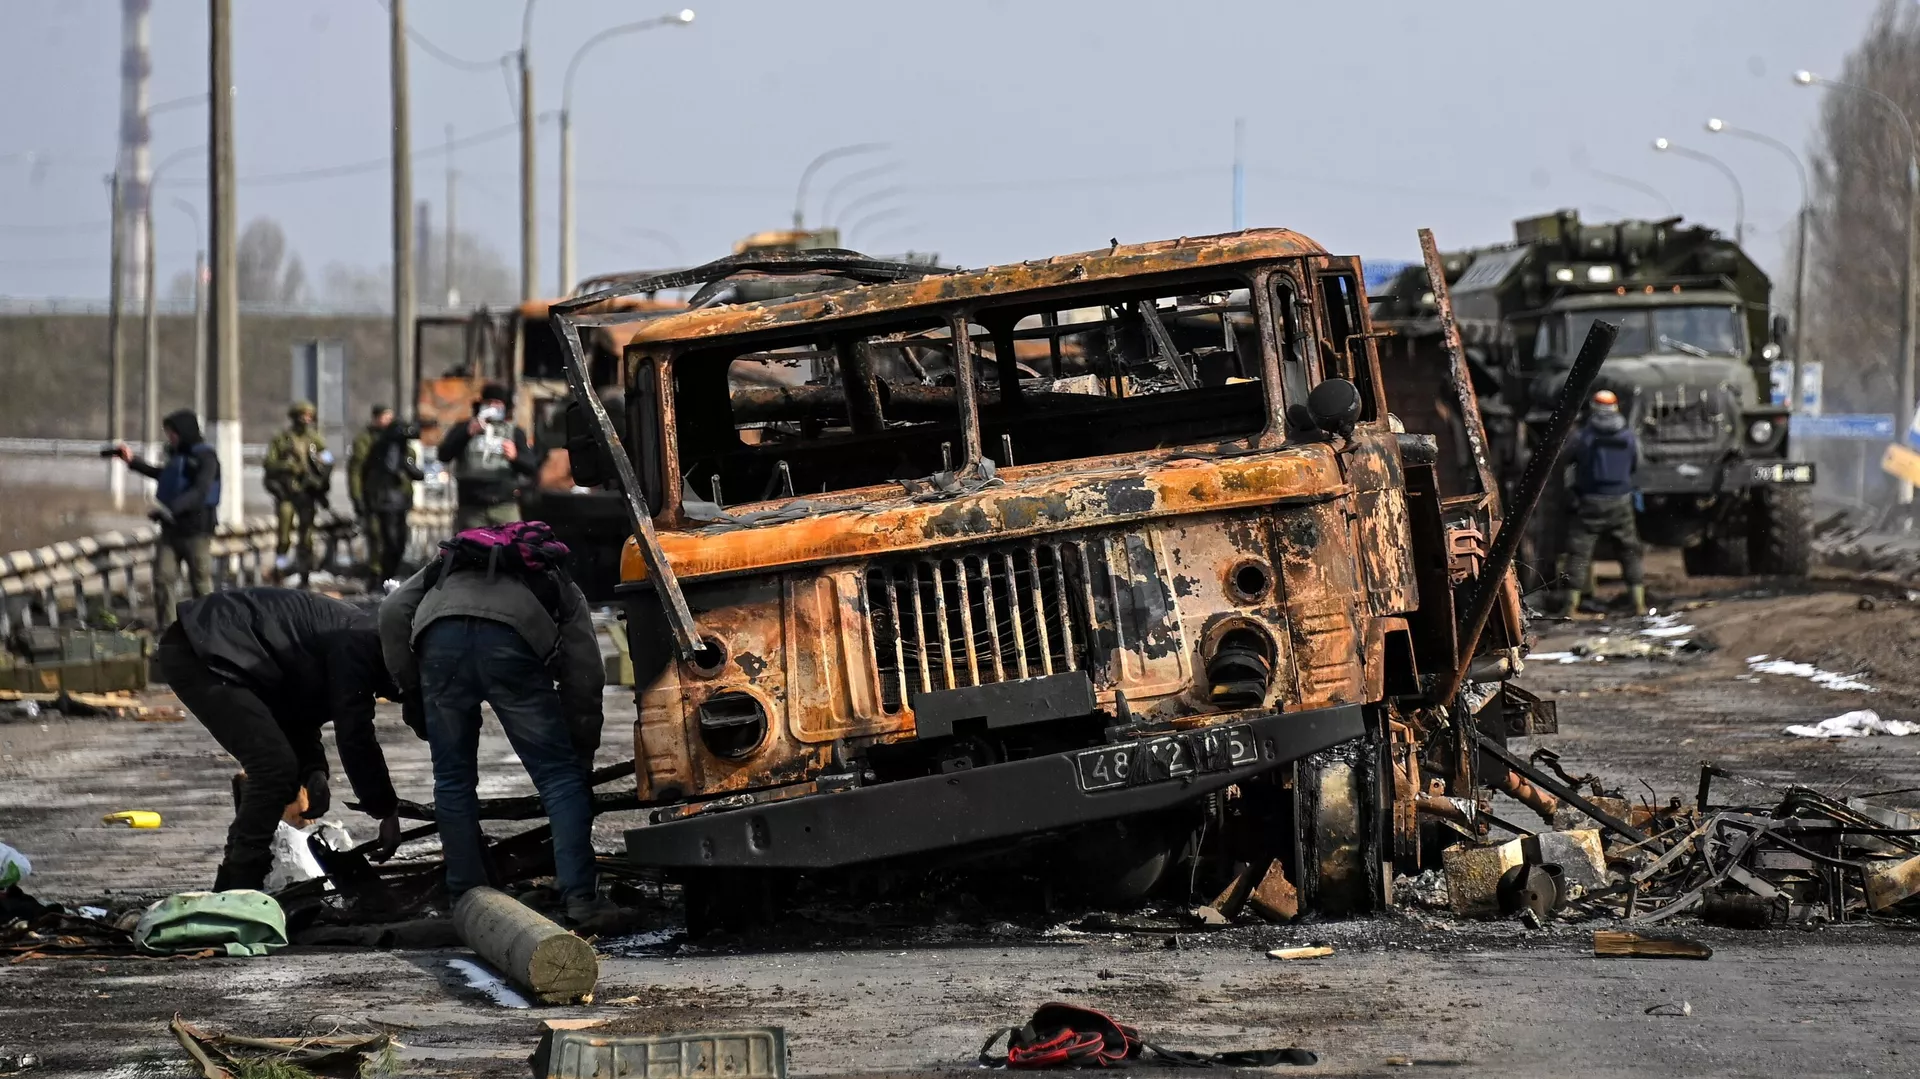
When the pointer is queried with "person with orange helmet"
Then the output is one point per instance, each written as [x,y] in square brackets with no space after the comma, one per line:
[1604,456]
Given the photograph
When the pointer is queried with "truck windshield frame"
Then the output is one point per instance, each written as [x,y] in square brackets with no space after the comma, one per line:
[840,410]
[1702,329]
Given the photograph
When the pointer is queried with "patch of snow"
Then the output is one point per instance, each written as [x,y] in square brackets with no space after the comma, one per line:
[1556,657]
[479,977]
[1856,724]
[1766,665]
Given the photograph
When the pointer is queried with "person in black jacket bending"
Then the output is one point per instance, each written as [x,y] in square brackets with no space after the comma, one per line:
[188,490]
[490,459]
[263,669]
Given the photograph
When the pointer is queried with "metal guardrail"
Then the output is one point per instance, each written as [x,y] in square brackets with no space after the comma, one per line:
[90,448]
[113,572]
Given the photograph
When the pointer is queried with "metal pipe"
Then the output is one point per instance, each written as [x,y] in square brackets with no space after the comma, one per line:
[1719,126]
[1533,483]
[225,281]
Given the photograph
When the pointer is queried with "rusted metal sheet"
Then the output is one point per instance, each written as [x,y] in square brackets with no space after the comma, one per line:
[1112,264]
[1032,501]
[1460,374]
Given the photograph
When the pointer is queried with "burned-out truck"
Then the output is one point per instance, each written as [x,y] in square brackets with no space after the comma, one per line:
[1113,560]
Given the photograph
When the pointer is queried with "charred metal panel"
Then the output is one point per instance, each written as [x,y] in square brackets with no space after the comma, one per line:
[1037,501]
[1314,549]
[1225,578]
[1380,504]
[832,680]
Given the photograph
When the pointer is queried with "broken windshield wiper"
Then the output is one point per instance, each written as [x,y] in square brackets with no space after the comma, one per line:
[1687,347]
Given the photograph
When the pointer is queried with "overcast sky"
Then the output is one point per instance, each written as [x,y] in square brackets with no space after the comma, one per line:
[1019,129]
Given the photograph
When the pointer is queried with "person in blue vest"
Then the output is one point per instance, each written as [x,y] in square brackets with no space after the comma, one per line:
[1604,456]
[187,490]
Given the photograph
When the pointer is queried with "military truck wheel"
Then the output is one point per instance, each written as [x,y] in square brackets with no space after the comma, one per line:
[1781,536]
[1725,550]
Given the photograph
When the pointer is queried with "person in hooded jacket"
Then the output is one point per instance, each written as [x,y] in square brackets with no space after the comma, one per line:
[263,669]
[1604,455]
[187,489]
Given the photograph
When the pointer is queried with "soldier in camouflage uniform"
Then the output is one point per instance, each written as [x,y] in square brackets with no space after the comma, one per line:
[299,469]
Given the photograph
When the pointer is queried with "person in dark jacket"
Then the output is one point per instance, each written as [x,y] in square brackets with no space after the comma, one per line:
[490,459]
[1604,455]
[524,643]
[263,669]
[187,489]
[387,475]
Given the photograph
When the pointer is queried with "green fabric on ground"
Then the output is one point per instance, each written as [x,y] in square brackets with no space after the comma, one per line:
[242,922]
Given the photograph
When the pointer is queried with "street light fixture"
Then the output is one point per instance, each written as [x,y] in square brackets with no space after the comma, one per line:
[1717,126]
[683,17]
[1667,146]
[806,174]
[1907,278]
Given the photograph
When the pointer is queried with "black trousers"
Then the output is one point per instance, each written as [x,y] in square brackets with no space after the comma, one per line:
[244,725]
[1599,517]
[391,534]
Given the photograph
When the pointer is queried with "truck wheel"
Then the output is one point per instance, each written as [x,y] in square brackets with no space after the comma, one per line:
[1724,552]
[1781,539]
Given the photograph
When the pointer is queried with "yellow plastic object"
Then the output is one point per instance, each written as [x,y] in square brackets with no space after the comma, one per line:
[134,818]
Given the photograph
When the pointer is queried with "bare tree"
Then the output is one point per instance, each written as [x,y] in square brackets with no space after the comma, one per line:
[266,271]
[481,276]
[1860,215]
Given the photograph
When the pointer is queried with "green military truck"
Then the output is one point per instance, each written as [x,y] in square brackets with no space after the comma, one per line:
[1691,366]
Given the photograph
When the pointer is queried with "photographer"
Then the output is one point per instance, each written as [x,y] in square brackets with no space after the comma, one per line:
[188,489]
[490,459]
[388,471]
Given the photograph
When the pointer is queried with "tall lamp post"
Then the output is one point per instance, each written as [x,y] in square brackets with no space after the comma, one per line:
[199,309]
[684,17]
[1667,146]
[1718,126]
[806,174]
[150,325]
[1907,281]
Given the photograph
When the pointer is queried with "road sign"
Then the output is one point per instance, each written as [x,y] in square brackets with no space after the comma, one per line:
[1779,382]
[1812,385]
[1865,426]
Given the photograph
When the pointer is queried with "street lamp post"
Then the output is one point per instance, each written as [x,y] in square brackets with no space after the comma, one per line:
[806,174]
[150,325]
[199,310]
[683,17]
[1718,126]
[1667,146]
[529,236]
[1907,280]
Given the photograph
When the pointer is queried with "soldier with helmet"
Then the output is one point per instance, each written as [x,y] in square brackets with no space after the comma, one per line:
[1603,457]
[299,469]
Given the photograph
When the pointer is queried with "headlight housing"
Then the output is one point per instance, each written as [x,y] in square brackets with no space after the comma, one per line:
[1760,431]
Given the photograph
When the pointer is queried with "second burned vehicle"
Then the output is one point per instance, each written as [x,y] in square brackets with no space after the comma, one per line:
[1115,556]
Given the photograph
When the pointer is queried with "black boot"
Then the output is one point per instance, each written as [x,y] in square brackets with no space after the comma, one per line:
[232,875]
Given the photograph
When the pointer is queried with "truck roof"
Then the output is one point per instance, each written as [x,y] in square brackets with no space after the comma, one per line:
[1115,263]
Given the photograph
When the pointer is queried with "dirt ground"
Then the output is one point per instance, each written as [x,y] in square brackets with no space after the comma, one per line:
[867,996]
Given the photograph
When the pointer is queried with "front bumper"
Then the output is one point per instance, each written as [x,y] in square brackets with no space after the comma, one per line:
[931,813]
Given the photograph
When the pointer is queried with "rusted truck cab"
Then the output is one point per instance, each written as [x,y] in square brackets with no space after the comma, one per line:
[981,555]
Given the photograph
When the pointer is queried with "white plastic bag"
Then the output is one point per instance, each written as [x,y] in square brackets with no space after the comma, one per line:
[293,859]
[14,866]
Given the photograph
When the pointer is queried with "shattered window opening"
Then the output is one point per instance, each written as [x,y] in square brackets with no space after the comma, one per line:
[1096,376]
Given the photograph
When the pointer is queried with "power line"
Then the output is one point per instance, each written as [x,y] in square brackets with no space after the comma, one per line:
[446,57]
[329,172]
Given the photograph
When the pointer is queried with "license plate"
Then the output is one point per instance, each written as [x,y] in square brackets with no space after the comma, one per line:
[1783,473]
[1167,756]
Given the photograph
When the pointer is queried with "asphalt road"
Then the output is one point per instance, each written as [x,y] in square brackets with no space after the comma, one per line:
[875,992]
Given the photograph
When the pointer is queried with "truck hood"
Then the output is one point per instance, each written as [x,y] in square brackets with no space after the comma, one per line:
[1669,376]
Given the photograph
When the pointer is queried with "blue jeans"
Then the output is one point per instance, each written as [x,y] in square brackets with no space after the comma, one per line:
[464,661]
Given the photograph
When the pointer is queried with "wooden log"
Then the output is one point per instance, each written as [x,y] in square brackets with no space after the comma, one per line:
[1618,942]
[533,952]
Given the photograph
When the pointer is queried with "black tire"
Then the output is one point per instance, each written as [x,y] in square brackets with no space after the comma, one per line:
[1781,532]
[1725,552]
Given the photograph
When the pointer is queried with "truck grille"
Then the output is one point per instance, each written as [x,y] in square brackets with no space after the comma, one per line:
[1685,418]
[979,617]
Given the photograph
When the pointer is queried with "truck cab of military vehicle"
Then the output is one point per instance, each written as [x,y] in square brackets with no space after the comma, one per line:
[1074,544]
[1692,358]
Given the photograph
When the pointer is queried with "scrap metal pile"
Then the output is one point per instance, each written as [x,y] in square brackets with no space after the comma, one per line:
[1763,859]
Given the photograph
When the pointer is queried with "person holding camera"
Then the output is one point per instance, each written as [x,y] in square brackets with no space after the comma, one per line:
[389,469]
[299,469]
[490,459]
[187,487]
